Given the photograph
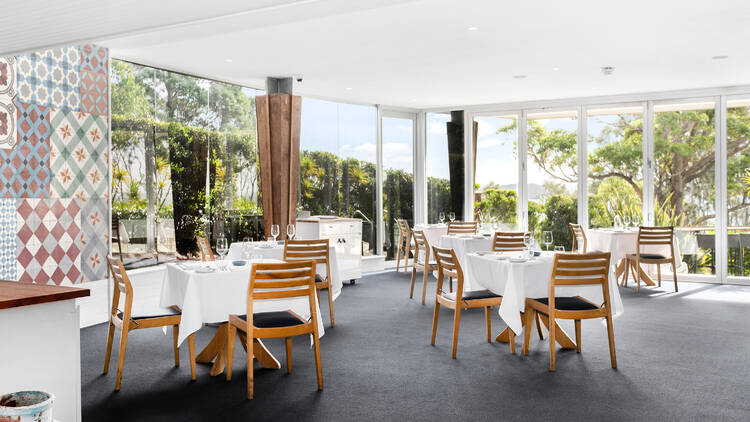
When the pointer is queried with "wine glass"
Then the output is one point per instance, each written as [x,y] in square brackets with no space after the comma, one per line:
[290,230]
[275,231]
[222,246]
[626,220]
[441,217]
[560,248]
[452,216]
[547,238]
[527,243]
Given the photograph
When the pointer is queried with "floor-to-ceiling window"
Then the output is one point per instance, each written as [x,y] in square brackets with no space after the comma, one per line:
[684,180]
[496,172]
[398,177]
[437,166]
[615,165]
[337,163]
[738,187]
[552,174]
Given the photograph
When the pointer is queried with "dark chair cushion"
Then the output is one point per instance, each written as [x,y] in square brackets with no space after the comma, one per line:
[569,304]
[479,294]
[156,313]
[650,256]
[319,279]
[274,319]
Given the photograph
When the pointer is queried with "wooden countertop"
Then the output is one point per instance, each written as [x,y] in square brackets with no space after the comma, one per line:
[14,294]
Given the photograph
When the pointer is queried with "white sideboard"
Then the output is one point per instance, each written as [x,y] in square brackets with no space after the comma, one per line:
[345,234]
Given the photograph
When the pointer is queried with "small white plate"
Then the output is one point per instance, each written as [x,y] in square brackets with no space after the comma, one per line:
[502,257]
[203,269]
[483,253]
[267,246]
[519,260]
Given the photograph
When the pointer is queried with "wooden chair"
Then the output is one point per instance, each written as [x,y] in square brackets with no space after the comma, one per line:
[126,320]
[205,248]
[508,241]
[579,238]
[405,243]
[462,227]
[448,265]
[425,264]
[573,270]
[276,281]
[116,233]
[651,236]
[318,252]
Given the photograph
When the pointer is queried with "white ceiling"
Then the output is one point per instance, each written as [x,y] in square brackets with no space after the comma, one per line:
[416,53]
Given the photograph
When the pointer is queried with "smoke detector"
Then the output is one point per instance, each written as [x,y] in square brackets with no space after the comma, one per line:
[608,70]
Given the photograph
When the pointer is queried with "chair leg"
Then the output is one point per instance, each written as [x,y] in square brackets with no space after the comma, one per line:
[435,322]
[398,254]
[552,344]
[530,318]
[489,323]
[638,271]
[456,323]
[231,334]
[424,283]
[406,258]
[175,334]
[611,338]
[191,349]
[318,363]
[121,356]
[674,274]
[108,353]
[626,273]
[539,326]
[249,355]
[288,342]
[658,273]
[330,303]
[450,284]
[578,335]
[413,277]
[512,341]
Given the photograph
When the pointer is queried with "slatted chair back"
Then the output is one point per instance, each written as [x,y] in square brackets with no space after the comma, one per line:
[580,269]
[508,241]
[422,254]
[462,227]
[317,251]
[121,283]
[404,231]
[282,281]
[656,236]
[579,238]
[449,266]
[205,249]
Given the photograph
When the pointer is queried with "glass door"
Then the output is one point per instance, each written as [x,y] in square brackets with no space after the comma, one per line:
[738,190]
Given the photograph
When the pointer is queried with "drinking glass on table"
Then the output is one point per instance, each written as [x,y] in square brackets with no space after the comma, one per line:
[547,238]
[275,231]
[626,221]
[222,246]
[527,244]
[246,250]
[560,249]
[452,216]
[290,231]
[441,217]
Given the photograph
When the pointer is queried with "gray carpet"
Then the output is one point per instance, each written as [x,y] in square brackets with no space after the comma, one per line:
[681,356]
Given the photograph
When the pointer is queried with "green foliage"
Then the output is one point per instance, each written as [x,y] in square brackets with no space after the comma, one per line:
[498,205]
[559,210]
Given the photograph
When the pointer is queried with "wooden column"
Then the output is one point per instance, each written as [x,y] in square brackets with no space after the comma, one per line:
[278,153]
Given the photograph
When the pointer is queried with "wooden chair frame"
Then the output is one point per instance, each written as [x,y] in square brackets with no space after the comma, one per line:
[448,265]
[317,251]
[126,323]
[404,244]
[462,227]
[650,236]
[421,244]
[508,241]
[570,270]
[277,281]
[205,249]
[579,238]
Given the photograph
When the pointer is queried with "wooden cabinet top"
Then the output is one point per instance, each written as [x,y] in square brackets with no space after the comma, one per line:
[14,294]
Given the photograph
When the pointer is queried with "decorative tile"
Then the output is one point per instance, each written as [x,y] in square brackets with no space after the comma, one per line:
[24,170]
[94,94]
[50,78]
[94,58]
[94,239]
[8,82]
[32,78]
[78,160]
[47,241]
[7,239]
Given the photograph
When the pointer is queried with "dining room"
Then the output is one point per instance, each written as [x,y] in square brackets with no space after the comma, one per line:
[396,209]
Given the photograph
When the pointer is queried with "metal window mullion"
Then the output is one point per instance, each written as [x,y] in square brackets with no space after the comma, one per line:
[420,178]
[583,198]
[648,164]
[523,191]
[721,196]
[380,234]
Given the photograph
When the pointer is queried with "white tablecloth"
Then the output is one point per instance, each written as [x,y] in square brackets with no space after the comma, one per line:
[622,243]
[211,297]
[433,232]
[277,252]
[463,245]
[518,281]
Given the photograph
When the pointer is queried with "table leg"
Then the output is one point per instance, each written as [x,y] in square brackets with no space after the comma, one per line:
[644,275]
[216,350]
[620,269]
[562,338]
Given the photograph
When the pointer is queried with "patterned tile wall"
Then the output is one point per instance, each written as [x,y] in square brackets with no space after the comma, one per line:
[54,169]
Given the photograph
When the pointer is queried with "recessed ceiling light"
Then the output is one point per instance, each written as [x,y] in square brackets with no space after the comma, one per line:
[348,88]
[472,28]
[722,57]
[227,60]
[519,76]
[555,68]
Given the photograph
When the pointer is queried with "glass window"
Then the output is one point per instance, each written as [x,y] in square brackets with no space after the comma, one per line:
[496,172]
[684,180]
[738,187]
[437,167]
[398,180]
[615,170]
[552,175]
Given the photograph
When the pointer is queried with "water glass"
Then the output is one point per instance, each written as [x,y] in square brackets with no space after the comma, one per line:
[290,231]
[441,217]
[222,246]
[547,238]
[560,248]
[452,216]
[275,231]
[626,221]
